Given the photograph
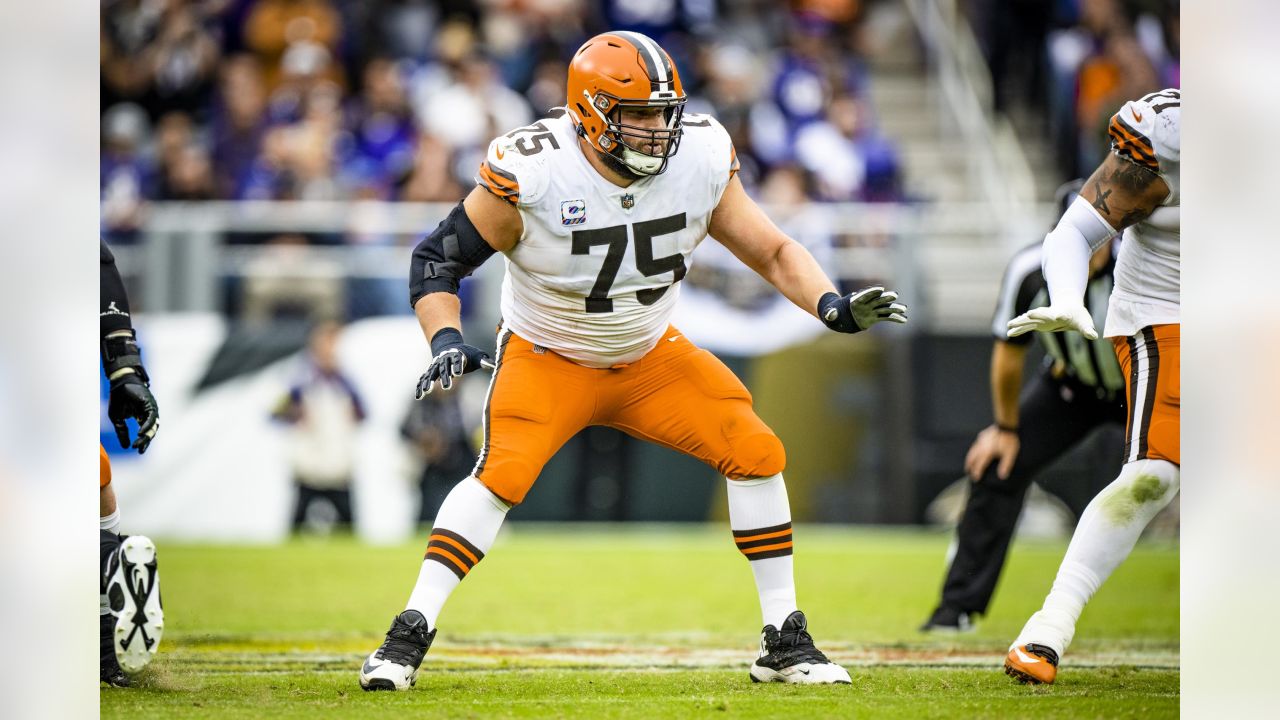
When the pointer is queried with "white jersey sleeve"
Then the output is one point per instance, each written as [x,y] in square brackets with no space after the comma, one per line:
[514,168]
[716,146]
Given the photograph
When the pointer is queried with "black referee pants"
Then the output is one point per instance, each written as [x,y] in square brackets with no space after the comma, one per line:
[1053,416]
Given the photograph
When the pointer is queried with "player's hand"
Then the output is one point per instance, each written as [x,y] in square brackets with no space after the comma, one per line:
[992,444]
[453,358]
[858,311]
[1054,318]
[131,398]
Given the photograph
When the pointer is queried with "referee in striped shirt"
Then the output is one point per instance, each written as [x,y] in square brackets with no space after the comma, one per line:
[1079,389]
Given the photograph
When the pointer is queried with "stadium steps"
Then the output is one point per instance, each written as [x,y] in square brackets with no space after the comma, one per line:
[959,270]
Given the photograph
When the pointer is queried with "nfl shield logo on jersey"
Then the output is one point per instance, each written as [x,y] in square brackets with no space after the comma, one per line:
[628,201]
[573,212]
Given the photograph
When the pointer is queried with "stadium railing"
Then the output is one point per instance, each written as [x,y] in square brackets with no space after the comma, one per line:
[939,256]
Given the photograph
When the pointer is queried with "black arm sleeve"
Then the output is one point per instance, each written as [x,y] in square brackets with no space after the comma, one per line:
[120,351]
[451,252]
[113,311]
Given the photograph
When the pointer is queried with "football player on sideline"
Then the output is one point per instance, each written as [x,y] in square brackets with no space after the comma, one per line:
[597,216]
[130,617]
[1136,190]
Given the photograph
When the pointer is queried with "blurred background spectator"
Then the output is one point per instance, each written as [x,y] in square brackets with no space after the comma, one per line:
[435,429]
[323,411]
[1075,62]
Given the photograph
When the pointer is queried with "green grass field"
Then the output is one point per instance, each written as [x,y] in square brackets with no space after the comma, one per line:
[643,622]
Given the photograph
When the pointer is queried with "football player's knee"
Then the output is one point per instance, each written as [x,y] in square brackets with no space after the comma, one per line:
[1157,476]
[1142,490]
[510,479]
[759,455]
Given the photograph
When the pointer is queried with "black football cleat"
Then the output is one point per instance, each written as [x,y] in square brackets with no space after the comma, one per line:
[394,666]
[109,670]
[789,656]
[133,594]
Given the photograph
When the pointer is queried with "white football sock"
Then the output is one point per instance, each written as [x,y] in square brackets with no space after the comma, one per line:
[465,528]
[110,523]
[1108,530]
[760,518]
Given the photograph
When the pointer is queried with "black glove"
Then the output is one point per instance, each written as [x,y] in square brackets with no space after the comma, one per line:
[858,311]
[452,358]
[131,398]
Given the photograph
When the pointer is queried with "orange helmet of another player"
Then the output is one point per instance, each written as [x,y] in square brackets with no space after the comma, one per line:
[617,71]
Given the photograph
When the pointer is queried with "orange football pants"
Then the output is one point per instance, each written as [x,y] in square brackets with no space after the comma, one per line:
[678,396]
[104,468]
[1151,360]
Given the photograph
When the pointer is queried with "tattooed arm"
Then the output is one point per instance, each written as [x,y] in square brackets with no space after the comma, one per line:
[1118,194]
[1123,192]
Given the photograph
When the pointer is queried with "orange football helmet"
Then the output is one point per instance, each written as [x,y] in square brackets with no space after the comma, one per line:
[621,69]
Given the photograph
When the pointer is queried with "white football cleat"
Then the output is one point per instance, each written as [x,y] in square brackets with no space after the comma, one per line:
[133,593]
[789,656]
[394,666]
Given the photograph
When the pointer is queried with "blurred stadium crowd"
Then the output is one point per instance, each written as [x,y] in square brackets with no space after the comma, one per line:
[1073,62]
[398,99]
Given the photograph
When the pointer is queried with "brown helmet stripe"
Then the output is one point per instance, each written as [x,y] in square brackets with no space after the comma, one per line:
[656,62]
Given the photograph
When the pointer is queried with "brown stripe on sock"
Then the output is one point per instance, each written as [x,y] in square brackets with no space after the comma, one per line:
[747,534]
[453,546]
[757,551]
[766,542]
[770,539]
[461,542]
[443,545]
[447,559]
[766,554]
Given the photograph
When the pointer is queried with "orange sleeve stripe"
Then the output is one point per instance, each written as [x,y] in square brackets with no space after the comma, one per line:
[762,536]
[1131,145]
[493,177]
[766,548]
[497,185]
[457,545]
[457,562]
[1118,126]
[1125,141]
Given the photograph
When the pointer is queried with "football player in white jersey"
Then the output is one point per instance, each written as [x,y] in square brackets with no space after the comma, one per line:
[1136,190]
[597,215]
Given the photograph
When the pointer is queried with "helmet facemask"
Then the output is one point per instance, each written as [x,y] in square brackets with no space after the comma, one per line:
[621,140]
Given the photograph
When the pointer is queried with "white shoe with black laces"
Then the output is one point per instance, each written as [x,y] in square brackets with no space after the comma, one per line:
[789,656]
[133,594]
[394,666]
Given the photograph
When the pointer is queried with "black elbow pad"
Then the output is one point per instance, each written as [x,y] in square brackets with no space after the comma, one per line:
[451,252]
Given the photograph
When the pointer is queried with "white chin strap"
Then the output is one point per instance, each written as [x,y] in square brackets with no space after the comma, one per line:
[641,163]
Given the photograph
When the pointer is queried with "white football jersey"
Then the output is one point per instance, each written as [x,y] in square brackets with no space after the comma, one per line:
[1148,271]
[597,271]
